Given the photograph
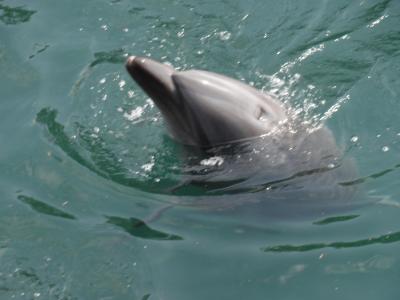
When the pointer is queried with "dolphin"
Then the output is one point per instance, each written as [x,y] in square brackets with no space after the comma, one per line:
[299,169]
[206,109]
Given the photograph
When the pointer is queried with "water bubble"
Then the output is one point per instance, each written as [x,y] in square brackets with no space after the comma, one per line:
[134,114]
[224,35]
[148,167]
[150,102]
[121,84]
[131,94]
[354,139]
[212,161]
[181,33]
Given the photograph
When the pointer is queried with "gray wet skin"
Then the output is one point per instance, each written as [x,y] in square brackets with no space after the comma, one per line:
[206,109]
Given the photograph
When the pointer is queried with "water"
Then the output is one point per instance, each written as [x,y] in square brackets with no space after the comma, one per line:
[85,158]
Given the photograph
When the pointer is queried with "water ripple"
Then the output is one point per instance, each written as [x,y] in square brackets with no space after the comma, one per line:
[383,239]
[139,228]
[15,15]
[45,208]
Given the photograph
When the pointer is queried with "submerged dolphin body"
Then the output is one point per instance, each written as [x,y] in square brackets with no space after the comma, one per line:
[296,169]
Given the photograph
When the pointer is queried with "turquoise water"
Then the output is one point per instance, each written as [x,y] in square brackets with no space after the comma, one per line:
[85,158]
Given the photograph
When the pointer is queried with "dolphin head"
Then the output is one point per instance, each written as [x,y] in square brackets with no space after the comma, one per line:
[203,108]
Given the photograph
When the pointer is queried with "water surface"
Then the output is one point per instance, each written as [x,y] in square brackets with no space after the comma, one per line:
[85,159]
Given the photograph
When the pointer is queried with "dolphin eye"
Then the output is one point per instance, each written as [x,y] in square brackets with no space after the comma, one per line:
[262,115]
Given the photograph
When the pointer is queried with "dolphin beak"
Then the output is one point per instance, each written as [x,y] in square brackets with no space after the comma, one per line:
[156,81]
[154,78]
